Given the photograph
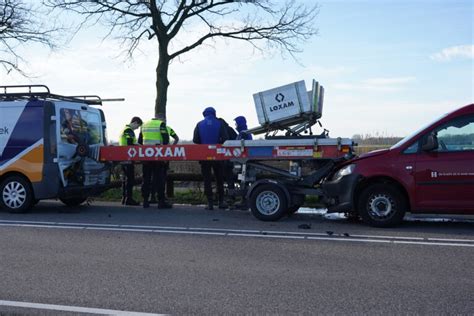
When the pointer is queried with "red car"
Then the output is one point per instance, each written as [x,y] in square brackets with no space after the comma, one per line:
[430,171]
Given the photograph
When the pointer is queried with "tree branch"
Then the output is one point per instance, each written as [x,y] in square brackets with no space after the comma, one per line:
[19,25]
[292,25]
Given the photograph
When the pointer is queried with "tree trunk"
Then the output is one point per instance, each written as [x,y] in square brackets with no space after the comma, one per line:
[162,82]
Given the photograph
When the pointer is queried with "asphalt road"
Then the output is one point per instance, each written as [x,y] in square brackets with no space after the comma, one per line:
[191,261]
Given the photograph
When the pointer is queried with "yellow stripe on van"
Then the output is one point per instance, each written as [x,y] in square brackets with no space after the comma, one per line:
[30,164]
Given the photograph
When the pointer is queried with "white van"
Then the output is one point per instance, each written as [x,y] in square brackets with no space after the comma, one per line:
[49,147]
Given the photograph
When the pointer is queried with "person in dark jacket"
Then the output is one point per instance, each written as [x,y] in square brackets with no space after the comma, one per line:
[228,167]
[211,131]
[127,138]
[231,134]
[241,127]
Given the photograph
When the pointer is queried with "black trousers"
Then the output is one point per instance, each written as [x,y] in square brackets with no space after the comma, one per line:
[154,180]
[128,180]
[206,168]
[229,176]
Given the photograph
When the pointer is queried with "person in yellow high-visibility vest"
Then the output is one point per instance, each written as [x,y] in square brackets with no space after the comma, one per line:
[154,132]
[172,134]
[127,138]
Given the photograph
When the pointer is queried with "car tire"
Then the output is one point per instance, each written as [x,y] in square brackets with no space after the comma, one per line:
[382,205]
[16,194]
[268,202]
[73,201]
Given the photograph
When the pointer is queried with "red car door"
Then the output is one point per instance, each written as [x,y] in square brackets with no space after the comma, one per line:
[445,176]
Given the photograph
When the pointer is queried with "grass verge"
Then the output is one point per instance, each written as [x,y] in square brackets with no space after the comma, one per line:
[184,196]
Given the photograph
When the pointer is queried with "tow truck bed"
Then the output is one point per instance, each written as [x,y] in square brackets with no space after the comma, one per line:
[269,199]
[234,150]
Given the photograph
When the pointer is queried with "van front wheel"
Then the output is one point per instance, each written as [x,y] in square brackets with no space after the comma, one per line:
[16,194]
[382,205]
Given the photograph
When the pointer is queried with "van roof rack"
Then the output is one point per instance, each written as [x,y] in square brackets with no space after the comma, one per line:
[15,92]
[95,99]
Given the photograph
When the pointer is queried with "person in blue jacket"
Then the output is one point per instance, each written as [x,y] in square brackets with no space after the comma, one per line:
[211,131]
[241,126]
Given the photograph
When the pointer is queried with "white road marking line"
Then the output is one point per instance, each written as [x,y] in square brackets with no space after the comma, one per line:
[356,240]
[81,225]
[41,226]
[135,230]
[432,243]
[84,224]
[385,236]
[388,241]
[416,238]
[266,236]
[248,233]
[76,309]
[188,232]
[449,239]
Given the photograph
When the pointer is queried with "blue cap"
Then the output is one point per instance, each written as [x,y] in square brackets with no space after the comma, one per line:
[240,120]
[209,111]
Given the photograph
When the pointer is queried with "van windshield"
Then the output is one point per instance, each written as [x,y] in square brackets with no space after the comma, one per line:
[409,137]
[80,127]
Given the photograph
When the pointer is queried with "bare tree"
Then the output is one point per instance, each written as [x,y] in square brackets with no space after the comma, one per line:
[276,25]
[20,24]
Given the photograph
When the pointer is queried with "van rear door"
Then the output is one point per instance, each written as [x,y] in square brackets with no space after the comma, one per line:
[79,126]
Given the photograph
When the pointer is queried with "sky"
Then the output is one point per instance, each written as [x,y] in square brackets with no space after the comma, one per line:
[387,67]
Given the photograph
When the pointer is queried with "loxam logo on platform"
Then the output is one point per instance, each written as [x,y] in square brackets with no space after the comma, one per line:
[280,98]
[4,130]
[156,152]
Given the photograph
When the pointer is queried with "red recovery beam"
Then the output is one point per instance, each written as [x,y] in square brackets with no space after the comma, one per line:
[194,152]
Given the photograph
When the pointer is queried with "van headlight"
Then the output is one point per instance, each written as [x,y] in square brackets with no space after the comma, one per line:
[344,171]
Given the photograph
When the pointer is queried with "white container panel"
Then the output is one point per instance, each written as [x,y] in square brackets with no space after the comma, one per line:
[281,103]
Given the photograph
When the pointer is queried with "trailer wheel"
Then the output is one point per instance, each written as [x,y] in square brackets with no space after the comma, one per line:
[382,205]
[268,202]
[73,201]
[16,194]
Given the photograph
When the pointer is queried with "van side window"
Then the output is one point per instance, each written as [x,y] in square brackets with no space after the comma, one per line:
[413,149]
[456,135]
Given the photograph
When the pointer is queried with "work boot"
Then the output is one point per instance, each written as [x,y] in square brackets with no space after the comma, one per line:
[131,201]
[210,205]
[243,207]
[222,204]
[146,204]
[164,205]
[153,200]
[231,202]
